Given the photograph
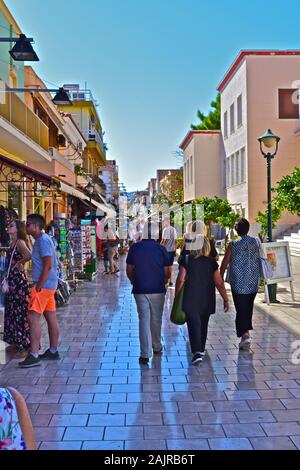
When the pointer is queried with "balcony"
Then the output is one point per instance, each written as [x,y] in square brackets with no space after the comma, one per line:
[93,136]
[22,132]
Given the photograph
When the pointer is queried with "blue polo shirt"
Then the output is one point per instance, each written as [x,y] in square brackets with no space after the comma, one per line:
[149,259]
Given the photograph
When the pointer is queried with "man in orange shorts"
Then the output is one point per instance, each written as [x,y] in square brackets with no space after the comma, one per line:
[42,301]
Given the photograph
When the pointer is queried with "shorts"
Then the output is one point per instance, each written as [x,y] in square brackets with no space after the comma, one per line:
[171,255]
[43,301]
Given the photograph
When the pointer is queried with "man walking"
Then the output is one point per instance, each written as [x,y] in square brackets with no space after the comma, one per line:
[42,301]
[169,237]
[148,270]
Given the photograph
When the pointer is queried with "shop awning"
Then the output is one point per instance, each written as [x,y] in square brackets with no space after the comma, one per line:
[82,196]
[65,188]
[20,171]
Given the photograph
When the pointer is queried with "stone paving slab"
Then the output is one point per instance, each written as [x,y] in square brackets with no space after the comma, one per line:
[99,397]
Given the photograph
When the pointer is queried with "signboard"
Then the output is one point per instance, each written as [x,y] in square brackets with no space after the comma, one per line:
[278,253]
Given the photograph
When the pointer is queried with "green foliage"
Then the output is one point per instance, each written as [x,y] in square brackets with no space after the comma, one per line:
[212,120]
[216,210]
[80,171]
[287,197]
[288,192]
[262,219]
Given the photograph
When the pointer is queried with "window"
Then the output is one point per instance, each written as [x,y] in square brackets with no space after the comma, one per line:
[237,168]
[232,119]
[225,123]
[243,165]
[288,103]
[232,170]
[188,172]
[191,163]
[227,172]
[239,111]
[184,174]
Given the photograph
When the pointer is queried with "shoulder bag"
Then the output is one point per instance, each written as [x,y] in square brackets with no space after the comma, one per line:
[178,316]
[5,284]
[266,271]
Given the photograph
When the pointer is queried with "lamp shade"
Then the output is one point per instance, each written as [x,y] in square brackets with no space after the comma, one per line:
[23,50]
[268,139]
[62,98]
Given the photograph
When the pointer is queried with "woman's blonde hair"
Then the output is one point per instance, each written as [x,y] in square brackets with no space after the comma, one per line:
[203,251]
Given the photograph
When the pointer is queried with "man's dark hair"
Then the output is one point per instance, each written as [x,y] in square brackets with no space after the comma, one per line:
[38,220]
[242,227]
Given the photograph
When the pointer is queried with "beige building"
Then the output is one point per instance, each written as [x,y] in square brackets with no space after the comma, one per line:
[259,92]
[203,173]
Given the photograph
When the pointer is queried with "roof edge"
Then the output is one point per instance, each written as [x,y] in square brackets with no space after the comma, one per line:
[191,133]
[245,53]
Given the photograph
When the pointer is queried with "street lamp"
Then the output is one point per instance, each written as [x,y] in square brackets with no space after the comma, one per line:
[61,97]
[22,50]
[90,189]
[268,140]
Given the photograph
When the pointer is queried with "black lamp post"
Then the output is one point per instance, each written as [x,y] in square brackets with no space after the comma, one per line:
[22,50]
[269,140]
[61,97]
[90,189]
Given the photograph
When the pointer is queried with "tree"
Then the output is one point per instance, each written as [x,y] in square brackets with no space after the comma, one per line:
[288,193]
[218,211]
[212,120]
[287,197]
[172,187]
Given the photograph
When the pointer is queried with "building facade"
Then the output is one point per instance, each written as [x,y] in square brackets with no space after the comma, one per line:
[203,172]
[259,92]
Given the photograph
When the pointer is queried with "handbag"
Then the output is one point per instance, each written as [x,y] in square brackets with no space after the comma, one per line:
[178,315]
[4,283]
[266,271]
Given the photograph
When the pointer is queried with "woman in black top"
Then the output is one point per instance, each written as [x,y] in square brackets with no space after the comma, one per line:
[201,276]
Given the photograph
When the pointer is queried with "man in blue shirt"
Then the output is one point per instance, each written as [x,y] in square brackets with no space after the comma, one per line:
[42,300]
[148,269]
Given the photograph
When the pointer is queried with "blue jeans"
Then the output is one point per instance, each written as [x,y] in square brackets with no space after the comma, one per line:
[150,309]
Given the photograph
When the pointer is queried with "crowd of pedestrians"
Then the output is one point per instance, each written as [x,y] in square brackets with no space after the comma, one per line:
[149,267]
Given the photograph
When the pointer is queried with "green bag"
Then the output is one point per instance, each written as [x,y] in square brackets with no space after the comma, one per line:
[178,316]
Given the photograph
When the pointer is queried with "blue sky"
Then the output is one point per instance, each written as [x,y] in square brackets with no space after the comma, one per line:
[150,64]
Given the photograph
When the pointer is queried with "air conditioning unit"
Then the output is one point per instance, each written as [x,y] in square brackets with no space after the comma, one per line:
[78,96]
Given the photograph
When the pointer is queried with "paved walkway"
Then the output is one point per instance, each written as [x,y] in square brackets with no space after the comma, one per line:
[99,397]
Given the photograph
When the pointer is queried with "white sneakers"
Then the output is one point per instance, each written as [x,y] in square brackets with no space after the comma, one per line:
[245,343]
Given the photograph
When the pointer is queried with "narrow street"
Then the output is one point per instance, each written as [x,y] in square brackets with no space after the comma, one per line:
[99,397]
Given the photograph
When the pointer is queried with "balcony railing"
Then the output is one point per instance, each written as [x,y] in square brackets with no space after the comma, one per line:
[15,111]
[81,95]
[94,136]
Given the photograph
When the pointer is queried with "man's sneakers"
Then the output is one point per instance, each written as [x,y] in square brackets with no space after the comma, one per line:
[48,355]
[30,361]
[245,343]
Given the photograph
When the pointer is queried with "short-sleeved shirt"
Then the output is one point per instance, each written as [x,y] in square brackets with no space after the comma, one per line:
[170,235]
[244,265]
[43,247]
[199,290]
[149,259]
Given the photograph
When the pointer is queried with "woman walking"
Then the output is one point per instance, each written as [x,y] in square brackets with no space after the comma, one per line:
[201,276]
[16,327]
[242,257]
